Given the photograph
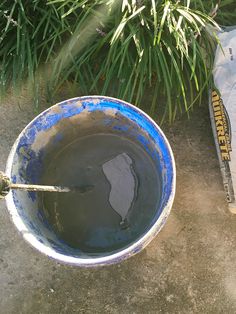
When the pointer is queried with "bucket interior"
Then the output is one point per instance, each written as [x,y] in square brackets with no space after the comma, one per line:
[82,142]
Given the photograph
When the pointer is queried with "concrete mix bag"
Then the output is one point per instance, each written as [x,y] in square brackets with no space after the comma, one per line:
[222,106]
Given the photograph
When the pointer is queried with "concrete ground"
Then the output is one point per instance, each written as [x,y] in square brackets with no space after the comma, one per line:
[189,268]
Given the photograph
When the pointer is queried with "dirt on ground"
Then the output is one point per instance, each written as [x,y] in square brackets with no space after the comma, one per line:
[190,267]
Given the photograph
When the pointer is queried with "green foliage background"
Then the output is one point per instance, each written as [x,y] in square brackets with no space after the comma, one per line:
[114,47]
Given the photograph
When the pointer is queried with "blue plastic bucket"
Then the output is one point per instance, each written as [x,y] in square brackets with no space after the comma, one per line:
[25,164]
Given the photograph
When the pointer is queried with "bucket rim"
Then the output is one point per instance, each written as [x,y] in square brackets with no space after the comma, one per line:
[113,258]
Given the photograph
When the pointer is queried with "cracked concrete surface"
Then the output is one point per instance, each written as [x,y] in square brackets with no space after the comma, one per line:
[189,268]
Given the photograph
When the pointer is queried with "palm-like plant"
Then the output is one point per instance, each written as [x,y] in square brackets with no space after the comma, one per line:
[114,47]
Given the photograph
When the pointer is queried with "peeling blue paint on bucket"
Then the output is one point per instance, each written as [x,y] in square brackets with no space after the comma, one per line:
[47,131]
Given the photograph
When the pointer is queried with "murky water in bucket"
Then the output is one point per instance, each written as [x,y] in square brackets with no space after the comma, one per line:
[119,207]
